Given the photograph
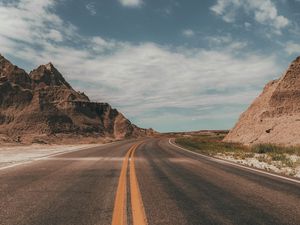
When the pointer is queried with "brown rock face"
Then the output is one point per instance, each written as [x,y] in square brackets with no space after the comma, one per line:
[13,73]
[43,104]
[47,75]
[274,116]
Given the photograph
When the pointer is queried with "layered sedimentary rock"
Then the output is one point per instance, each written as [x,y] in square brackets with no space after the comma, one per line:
[274,116]
[43,104]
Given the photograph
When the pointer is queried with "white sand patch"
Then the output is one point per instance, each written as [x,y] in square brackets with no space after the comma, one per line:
[263,161]
[10,156]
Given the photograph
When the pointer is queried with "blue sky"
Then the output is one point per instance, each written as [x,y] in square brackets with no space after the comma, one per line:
[168,64]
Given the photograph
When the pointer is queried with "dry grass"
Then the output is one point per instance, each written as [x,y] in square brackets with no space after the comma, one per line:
[273,149]
[212,145]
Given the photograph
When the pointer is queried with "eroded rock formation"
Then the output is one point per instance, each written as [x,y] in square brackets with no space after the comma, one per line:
[42,105]
[274,116]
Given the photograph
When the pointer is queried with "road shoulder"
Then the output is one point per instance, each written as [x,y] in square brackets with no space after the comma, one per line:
[17,155]
[224,161]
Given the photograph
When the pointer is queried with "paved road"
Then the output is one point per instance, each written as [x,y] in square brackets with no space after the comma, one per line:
[161,185]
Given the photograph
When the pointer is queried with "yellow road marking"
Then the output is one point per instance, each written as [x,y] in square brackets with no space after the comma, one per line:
[120,213]
[138,211]
[137,207]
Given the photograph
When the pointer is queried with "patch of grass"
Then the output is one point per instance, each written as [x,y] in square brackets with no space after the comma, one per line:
[210,144]
[270,148]
[278,153]
[277,156]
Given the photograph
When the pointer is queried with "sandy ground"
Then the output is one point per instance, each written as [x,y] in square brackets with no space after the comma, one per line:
[272,166]
[12,155]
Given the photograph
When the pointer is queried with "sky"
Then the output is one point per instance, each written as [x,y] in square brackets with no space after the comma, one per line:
[173,65]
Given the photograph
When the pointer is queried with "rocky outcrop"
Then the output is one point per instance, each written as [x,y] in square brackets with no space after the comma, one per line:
[43,104]
[47,75]
[274,116]
[13,74]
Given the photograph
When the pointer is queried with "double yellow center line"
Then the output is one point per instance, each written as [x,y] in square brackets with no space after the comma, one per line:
[137,207]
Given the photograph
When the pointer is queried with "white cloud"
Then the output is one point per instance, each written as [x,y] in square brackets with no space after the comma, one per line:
[131,3]
[91,8]
[139,79]
[226,9]
[224,39]
[100,45]
[20,23]
[263,12]
[225,42]
[188,33]
[55,35]
[292,48]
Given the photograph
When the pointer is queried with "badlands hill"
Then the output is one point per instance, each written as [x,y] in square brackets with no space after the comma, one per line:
[274,116]
[43,107]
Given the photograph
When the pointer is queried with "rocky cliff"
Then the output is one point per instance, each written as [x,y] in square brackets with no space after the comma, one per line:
[42,105]
[274,116]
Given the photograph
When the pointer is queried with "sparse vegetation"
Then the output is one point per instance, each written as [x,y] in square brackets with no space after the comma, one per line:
[269,148]
[211,144]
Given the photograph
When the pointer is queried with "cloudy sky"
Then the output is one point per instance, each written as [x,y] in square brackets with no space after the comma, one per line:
[167,64]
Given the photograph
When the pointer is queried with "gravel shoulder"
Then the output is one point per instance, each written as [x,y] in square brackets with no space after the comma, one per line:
[265,162]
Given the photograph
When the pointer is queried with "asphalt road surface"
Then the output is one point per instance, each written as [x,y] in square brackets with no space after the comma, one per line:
[143,182]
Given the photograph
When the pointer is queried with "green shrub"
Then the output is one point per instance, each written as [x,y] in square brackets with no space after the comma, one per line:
[264,148]
[270,148]
[278,157]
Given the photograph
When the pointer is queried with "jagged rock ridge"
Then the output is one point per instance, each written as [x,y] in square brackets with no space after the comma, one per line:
[43,104]
[274,116]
